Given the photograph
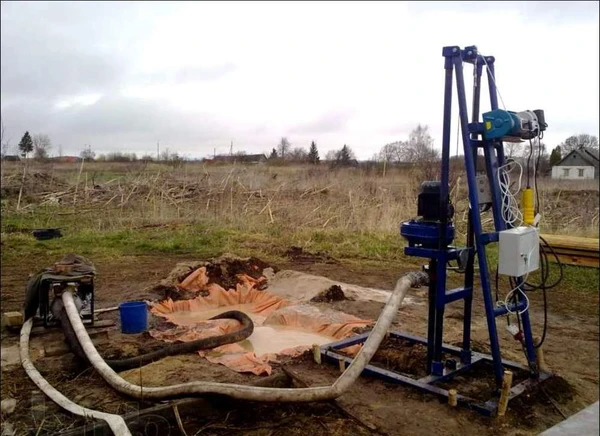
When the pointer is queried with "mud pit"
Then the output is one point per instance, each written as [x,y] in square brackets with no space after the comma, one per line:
[378,408]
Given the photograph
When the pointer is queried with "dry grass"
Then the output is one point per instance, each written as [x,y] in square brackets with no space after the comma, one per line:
[115,196]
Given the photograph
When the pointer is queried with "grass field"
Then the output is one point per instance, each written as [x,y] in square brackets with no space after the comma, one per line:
[107,210]
[136,221]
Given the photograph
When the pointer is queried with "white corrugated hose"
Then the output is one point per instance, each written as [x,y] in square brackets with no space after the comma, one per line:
[244,392]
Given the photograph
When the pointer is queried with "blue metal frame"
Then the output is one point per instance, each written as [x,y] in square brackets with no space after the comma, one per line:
[330,352]
[477,240]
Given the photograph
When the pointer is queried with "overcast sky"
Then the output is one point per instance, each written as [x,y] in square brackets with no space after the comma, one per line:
[196,75]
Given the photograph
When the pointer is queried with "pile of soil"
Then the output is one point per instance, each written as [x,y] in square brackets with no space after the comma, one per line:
[222,271]
[34,184]
[225,269]
[334,293]
[298,255]
[403,356]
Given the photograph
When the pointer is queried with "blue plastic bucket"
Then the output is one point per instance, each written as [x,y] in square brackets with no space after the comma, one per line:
[134,317]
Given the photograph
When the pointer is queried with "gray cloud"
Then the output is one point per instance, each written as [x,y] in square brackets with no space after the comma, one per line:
[537,11]
[55,52]
[117,124]
[330,122]
[201,74]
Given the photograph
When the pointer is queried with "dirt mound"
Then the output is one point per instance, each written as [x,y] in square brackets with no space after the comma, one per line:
[402,356]
[223,271]
[34,185]
[334,293]
[298,255]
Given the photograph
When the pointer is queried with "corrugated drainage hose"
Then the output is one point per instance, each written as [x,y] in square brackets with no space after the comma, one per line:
[169,350]
[244,392]
[115,422]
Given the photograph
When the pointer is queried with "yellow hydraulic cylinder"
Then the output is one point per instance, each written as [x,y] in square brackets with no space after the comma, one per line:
[527,205]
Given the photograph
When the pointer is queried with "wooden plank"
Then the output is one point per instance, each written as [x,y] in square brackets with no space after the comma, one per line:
[573,242]
[577,260]
[572,250]
[590,253]
[576,253]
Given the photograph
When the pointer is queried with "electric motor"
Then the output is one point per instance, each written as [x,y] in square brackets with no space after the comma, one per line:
[508,125]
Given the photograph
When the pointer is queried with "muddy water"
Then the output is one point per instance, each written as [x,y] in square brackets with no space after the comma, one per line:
[264,339]
[273,339]
[192,317]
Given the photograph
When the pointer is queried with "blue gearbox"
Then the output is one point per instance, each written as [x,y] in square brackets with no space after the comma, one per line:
[425,234]
[499,123]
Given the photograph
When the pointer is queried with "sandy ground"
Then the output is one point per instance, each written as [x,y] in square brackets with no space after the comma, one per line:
[571,351]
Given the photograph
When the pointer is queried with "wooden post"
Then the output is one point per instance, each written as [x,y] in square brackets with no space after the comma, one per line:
[342,363]
[316,353]
[504,394]
[539,356]
[452,400]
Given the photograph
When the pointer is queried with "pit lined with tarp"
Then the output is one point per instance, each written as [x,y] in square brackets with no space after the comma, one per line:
[283,325]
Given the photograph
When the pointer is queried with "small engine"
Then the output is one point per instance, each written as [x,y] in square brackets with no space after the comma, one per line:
[425,231]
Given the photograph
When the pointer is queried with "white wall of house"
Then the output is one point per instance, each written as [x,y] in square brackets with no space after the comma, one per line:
[572,173]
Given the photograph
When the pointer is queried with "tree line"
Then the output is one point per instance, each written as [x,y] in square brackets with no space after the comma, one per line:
[284,153]
[417,149]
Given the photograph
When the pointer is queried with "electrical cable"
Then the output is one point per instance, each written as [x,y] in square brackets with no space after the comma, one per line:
[489,71]
[537,169]
[510,211]
[528,163]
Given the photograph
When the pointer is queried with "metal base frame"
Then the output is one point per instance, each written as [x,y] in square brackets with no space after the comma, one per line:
[330,352]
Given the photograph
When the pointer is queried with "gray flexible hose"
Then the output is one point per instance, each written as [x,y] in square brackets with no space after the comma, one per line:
[244,392]
[115,422]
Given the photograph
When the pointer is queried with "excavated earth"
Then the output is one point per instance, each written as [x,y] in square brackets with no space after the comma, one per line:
[369,407]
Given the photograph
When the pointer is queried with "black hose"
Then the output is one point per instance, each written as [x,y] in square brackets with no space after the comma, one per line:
[169,350]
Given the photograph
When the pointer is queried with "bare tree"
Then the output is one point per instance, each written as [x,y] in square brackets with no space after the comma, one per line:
[283,147]
[4,141]
[419,147]
[41,146]
[579,141]
[341,158]
[331,155]
[512,149]
[298,154]
[87,153]
[392,152]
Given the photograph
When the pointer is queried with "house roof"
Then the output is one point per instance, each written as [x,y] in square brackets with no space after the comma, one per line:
[242,158]
[591,151]
[588,154]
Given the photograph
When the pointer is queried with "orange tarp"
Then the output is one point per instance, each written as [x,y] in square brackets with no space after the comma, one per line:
[273,310]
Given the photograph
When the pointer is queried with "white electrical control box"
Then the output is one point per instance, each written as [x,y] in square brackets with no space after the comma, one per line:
[518,251]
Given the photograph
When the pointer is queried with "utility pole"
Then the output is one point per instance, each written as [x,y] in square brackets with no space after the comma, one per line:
[215,152]
[231,149]
[157,152]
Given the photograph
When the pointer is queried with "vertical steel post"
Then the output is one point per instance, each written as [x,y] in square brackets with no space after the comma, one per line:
[431,318]
[501,225]
[470,267]
[474,202]
[440,264]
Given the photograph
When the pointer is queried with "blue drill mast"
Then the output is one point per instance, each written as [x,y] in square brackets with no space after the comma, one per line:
[430,237]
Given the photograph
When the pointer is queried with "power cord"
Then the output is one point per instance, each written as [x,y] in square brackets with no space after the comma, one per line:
[510,211]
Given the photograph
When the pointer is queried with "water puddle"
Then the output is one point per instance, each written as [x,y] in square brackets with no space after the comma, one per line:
[264,339]
[274,338]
